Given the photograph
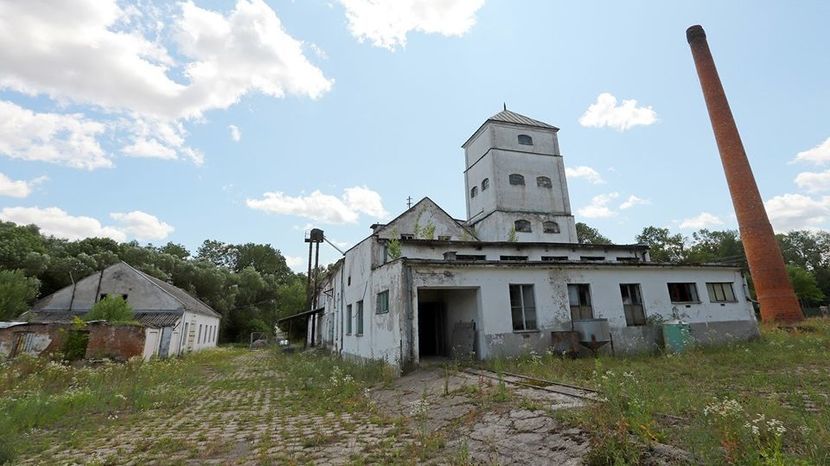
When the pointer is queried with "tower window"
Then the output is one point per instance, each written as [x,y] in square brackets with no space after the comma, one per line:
[517,180]
[474,191]
[525,140]
[550,227]
[485,183]
[522,226]
[543,182]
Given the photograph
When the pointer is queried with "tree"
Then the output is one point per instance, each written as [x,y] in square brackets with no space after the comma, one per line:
[112,309]
[17,291]
[663,246]
[804,284]
[175,250]
[218,253]
[589,235]
[716,246]
[262,257]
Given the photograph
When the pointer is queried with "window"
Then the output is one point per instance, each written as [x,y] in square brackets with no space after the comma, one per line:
[554,258]
[592,258]
[683,292]
[359,318]
[470,257]
[550,227]
[522,226]
[513,258]
[579,296]
[349,281]
[516,179]
[407,236]
[199,339]
[485,183]
[525,140]
[523,307]
[721,292]
[349,319]
[444,237]
[474,191]
[543,182]
[383,302]
[104,295]
[628,259]
[632,305]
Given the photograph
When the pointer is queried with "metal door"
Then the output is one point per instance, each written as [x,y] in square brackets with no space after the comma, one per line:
[164,346]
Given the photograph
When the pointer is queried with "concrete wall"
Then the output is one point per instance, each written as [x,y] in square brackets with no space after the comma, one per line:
[496,336]
[424,213]
[192,339]
[498,225]
[427,250]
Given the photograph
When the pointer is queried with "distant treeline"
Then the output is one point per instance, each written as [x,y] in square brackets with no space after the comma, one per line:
[249,284]
[807,254]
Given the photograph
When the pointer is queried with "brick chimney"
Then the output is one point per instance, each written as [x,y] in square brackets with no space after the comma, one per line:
[766,264]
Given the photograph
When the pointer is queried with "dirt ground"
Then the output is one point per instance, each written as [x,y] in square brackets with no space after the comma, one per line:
[431,416]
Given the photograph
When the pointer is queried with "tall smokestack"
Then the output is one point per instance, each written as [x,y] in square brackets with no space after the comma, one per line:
[766,264]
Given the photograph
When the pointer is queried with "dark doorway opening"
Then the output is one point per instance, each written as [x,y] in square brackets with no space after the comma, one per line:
[431,329]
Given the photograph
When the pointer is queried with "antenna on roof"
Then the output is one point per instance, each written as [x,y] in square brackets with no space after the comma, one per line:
[505,105]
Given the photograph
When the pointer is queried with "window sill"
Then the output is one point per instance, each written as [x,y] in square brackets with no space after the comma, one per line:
[382,312]
[686,302]
[358,334]
[526,331]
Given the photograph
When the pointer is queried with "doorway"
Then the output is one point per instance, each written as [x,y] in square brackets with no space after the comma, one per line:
[431,329]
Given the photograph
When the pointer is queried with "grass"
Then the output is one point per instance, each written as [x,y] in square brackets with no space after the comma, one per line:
[760,402]
[44,403]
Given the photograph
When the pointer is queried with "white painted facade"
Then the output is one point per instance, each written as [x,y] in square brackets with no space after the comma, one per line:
[450,287]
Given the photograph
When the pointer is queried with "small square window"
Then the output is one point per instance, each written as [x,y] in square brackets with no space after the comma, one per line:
[543,182]
[516,179]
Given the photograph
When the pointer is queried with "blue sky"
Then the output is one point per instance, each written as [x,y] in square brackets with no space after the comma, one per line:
[116,117]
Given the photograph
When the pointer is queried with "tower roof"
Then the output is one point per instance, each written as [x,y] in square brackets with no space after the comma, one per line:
[513,118]
[507,116]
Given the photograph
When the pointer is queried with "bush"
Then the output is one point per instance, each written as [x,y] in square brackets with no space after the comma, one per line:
[111,309]
[16,292]
[77,339]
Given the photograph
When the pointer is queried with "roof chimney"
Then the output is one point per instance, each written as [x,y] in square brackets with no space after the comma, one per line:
[766,264]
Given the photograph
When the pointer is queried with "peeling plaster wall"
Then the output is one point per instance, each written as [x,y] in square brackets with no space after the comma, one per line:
[47,338]
[553,308]
[425,213]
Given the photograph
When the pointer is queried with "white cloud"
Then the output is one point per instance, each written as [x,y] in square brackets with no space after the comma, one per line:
[141,225]
[814,182]
[65,139]
[323,207]
[633,201]
[818,155]
[795,211]
[598,208]
[591,175]
[57,222]
[296,263]
[702,220]
[605,112]
[18,188]
[148,69]
[236,135]
[385,23]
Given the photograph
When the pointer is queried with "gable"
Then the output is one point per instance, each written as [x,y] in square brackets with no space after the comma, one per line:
[425,215]
[118,279]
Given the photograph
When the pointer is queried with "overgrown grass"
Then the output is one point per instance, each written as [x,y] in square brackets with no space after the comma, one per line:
[760,402]
[43,402]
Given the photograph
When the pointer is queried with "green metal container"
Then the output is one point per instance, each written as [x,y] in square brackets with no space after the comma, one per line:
[677,336]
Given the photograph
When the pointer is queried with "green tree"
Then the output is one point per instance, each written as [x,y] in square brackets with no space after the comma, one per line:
[218,253]
[589,235]
[805,286]
[112,309]
[716,246]
[663,246]
[17,292]
[262,257]
[175,250]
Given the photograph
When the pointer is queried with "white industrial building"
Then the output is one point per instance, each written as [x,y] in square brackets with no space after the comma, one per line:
[512,275]
[175,322]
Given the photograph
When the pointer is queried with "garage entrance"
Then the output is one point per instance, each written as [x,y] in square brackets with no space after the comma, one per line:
[447,320]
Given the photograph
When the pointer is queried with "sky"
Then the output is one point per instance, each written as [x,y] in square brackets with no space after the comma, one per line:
[254,121]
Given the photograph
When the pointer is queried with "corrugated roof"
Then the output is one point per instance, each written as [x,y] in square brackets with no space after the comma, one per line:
[158,319]
[508,116]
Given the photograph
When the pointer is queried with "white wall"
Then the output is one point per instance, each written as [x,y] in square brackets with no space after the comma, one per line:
[552,306]
[191,341]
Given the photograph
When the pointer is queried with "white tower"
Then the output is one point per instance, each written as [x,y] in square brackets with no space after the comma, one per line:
[515,180]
